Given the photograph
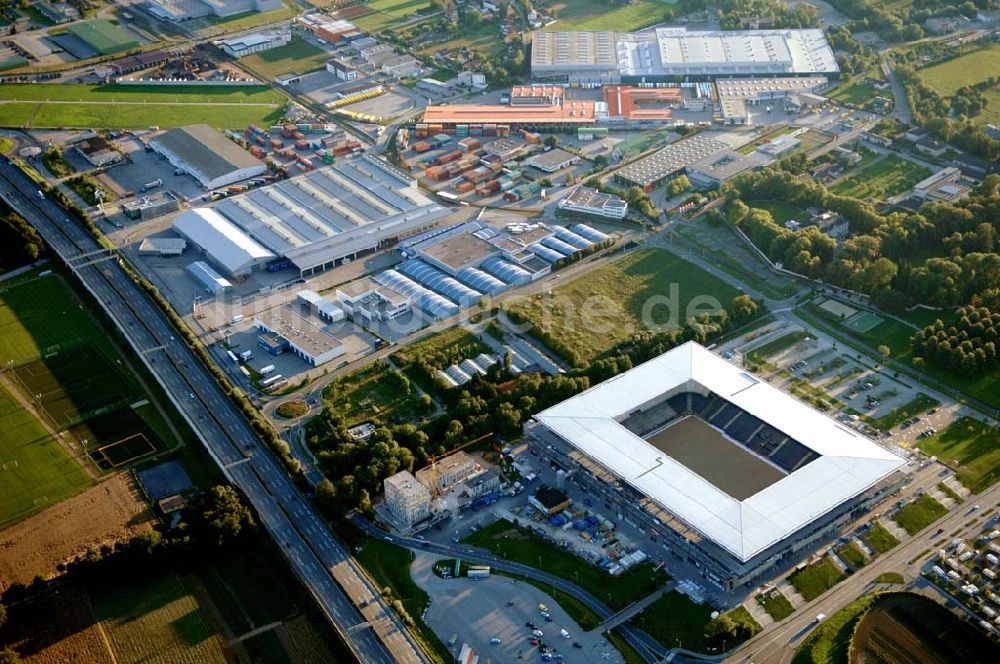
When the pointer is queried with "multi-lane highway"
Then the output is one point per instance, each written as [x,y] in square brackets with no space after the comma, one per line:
[312,549]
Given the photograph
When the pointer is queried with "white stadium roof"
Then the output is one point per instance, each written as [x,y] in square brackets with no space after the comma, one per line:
[221,239]
[848,462]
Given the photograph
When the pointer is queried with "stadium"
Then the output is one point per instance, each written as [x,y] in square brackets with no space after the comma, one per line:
[717,466]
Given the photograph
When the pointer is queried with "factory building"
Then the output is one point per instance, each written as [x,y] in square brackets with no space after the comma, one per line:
[207,155]
[176,11]
[336,214]
[305,337]
[669,162]
[369,301]
[672,54]
[585,200]
[257,42]
[720,468]
[225,245]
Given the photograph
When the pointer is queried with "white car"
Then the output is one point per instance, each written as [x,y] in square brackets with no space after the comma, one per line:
[495,641]
[537,633]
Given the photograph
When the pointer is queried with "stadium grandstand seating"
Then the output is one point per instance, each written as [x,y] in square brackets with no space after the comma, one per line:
[644,423]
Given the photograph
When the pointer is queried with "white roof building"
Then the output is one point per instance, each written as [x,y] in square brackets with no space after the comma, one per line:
[842,463]
[207,155]
[225,245]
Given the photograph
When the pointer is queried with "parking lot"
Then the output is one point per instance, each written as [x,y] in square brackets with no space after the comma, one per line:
[476,611]
[145,167]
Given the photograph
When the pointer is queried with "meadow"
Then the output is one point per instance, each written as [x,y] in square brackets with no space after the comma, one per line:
[297,56]
[882,179]
[594,313]
[597,15]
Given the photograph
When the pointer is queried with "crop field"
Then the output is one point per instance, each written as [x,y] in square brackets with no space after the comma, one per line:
[73,385]
[35,470]
[375,391]
[882,179]
[592,314]
[383,13]
[39,105]
[156,621]
[815,580]
[970,448]
[58,628]
[298,55]
[597,15]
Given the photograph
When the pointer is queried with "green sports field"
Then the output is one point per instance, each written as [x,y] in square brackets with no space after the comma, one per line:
[136,106]
[35,471]
[57,359]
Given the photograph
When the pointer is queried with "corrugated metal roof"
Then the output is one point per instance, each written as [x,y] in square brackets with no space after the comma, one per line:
[221,239]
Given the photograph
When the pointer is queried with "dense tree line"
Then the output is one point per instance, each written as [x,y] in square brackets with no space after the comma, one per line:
[852,56]
[968,346]
[948,119]
[498,403]
[772,13]
[872,15]
[943,255]
[20,243]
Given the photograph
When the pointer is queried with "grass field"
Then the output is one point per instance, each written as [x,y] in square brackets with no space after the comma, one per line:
[597,15]
[851,555]
[882,179]
[442,349]
[35,471]
[776,605]
[28,331]
[635,145]
[890,577]
[964,70]
[372,392]
[521,546]
[920,513]
[856,92]
[252,19]
[970,448]
[778,345]
[594,313]
[830,641]
[815,580]
[483,39]
[386,12]
[298,55]
[137,106]
[389,565]
[156,621]
[880,539]
[781,211]
[674,618]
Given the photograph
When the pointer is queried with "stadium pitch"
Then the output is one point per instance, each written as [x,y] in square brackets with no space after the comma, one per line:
[707,452]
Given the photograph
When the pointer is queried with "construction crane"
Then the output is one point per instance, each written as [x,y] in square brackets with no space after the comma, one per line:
[435,491]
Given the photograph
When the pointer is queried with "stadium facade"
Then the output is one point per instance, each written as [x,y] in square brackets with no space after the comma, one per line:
[672,54]
[719,467]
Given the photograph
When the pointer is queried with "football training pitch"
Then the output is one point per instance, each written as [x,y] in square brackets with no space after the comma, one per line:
[58,363]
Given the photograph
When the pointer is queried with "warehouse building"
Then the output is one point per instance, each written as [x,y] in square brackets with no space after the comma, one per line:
[208,156]
[720,468]
[585,200]
[225,245]
[305,336]
[257,42]
[185,10]
[669,162]
[336,214]
[720,167]
[213,282]
[671,54]
[553,160]
[150,205]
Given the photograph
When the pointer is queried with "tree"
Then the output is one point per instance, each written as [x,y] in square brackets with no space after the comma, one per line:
[225,515]
[678,186]
[3,614]
[884,351]
[9,656]
[551,141]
